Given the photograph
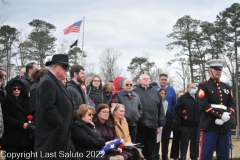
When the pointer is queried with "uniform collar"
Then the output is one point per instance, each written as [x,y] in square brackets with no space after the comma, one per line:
[213,80]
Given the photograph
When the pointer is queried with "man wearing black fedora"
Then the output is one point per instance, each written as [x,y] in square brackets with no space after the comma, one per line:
[54,112]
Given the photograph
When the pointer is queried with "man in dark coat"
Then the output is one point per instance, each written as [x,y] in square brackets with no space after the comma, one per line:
[54,113]
[74,86]
[30,67]
[187,110]
[153,116]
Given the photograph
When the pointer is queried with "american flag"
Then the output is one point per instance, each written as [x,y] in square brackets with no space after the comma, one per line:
[73,28]
[110,147]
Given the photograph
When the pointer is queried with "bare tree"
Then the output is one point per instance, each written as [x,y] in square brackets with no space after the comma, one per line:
[154,73]
[89,69]
[108,64]
[63,47]
[183,75]
[23,55]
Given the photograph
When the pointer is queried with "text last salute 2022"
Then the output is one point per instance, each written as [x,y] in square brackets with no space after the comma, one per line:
[28,155]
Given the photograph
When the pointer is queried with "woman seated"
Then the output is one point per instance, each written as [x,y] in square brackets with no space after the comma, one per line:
[121,128]
[104,123]
[86,138]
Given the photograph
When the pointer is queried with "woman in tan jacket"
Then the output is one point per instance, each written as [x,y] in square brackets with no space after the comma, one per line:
[121,129]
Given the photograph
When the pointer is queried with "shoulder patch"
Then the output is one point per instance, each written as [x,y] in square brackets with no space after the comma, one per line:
[201,93]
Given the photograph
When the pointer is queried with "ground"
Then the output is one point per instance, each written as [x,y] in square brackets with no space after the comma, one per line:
[235,149]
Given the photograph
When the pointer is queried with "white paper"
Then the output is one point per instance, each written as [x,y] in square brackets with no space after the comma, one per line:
[129,144]
[159,135]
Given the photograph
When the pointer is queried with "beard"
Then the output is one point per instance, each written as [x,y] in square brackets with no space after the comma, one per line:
[80,80]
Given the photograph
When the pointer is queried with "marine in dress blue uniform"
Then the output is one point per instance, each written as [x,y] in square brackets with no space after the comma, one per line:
[216,105]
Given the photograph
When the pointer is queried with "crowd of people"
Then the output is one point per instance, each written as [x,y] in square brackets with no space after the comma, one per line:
[43,115]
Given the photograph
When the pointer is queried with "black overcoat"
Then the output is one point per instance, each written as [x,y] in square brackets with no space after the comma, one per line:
[86,139]
[54,117]
[14,116]
[188,106]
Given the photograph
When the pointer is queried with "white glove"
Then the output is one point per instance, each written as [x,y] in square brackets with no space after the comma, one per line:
[219,121]
[225,117]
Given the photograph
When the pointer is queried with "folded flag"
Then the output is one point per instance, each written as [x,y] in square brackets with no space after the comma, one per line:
[73,28]
[110,147]
[74,44]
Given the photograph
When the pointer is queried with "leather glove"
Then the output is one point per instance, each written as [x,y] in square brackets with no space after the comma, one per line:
[30,127]
[225,117]
[219,121]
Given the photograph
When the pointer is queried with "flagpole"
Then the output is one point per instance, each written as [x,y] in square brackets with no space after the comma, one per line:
[82,39]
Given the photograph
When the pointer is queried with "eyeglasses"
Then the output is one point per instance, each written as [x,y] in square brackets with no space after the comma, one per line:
[105,112]
[109,92]
[16,88]
[128,84]
[90,114]
[64,66]
[96,80]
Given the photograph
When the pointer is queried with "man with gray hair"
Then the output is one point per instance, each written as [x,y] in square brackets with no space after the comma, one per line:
[152,117]
[133,107]
[54,112]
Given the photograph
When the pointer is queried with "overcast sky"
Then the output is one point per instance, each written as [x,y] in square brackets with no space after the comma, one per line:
[130,26]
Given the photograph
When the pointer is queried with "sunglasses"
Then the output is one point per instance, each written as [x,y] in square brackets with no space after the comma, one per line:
[16,88]
[129,84]
[109,92]
[90,114]
[64,66]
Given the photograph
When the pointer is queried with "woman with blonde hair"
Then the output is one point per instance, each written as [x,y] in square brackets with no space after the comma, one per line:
[122,131]
[88,81]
